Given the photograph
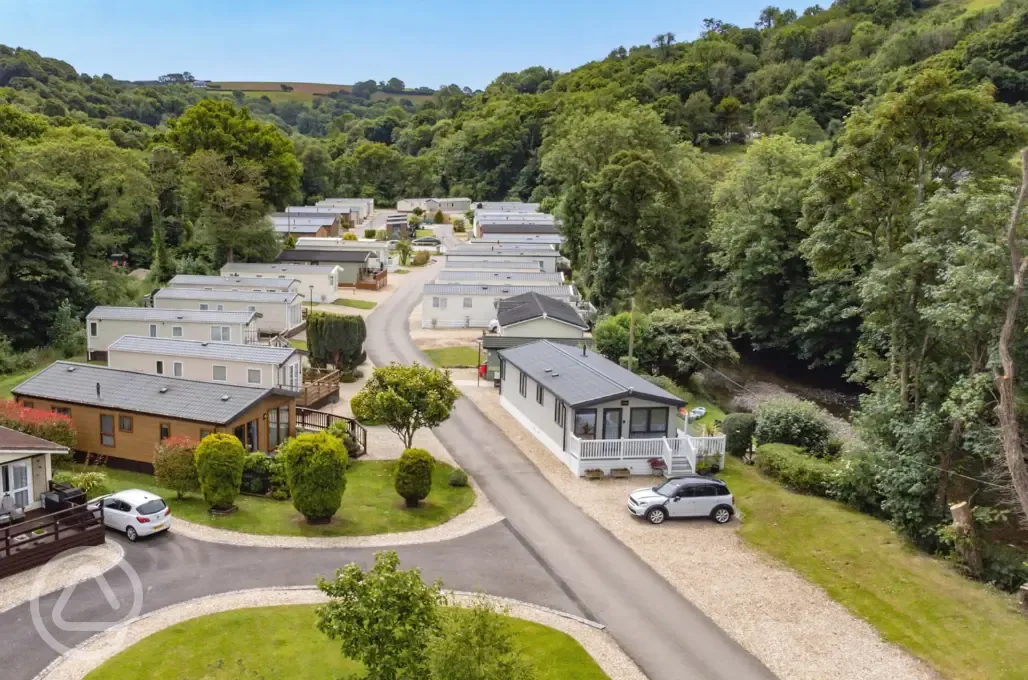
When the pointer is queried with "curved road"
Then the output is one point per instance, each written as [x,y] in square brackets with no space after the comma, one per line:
[666,635]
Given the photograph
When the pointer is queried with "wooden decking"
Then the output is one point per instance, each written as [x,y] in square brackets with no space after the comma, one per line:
[40,536]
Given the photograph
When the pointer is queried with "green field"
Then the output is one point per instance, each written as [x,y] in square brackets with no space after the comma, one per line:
[454,357]
[370,505]
[963,629]
[284,643]
[356,304]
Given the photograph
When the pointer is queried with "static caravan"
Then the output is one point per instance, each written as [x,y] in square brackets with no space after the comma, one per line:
[251,365]
[504,206]
[298,226]
[25,467]
[104,325]
[279,312]
[454,305]
[485,276]
[545,260]
[496,265]
[319,281]
[234,283]
[431,205]
[353,265]
[365,206]
[538,240]
[379,249]
[347,215]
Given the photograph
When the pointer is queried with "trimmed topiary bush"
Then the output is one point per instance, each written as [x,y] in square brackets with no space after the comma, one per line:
[797,423]
[458,478]
[795,470]
[369,233]
[421,258]
[414,475]
[738,429]
[349,236]
[316,471]
[219,465]
[174,466]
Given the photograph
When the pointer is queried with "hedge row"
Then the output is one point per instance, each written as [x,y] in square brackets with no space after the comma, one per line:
[795,469]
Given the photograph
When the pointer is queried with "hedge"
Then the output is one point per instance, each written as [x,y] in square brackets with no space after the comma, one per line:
[414,475]
[797,423]
[219,465]
[37,422]
[316,470]
[796,470]
[738,429]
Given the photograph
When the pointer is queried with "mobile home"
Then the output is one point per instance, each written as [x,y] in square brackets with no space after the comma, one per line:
[104,325]
[234,283]
[486,276]
[317,282]
[454,305]
[278,312]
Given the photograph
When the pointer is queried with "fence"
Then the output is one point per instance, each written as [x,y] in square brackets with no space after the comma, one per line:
[36,540]
[309,419]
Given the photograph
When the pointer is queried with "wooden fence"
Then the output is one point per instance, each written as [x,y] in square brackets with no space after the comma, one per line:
[309,419]
[36,541]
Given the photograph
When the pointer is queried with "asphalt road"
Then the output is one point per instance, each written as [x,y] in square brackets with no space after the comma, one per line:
[665,634]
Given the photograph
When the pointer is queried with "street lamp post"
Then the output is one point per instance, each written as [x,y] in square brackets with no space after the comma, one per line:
[311,298]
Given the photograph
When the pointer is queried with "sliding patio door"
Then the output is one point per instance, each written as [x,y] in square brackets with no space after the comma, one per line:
[16,481]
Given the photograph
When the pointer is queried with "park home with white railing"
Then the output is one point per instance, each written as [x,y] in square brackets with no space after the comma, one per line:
[253,284]
[595,415]
[278,312]
[455,305]
[318,282]
[104,325]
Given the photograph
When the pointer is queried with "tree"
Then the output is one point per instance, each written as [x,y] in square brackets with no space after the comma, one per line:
[316,473]
[804,129]
[163,267]
[290,242]
[698,115]
[36,270]
[413,478]
[336,339]
[406,399]
[738,429]
[439,217]
[219,467]
[478,644]
[683,341]
[394,85]
[174,465]
[403,251]
[611,336]
[383,617]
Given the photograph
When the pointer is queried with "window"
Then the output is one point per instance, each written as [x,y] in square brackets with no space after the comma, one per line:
[16,481]
[523,384]
[92,329]
[28,404]
[176,369]
[467,303]
[221,334]
[204,306]
[176,331]
[585,423]
[60,409]
[204,433]
[220,373]
[560,412]
[647,423]
[165,431]
[540,392]
[160,367]
[278,426]
[221,308]
[253,376]
[153,330]
[125,423]
[251,308]
[106,429]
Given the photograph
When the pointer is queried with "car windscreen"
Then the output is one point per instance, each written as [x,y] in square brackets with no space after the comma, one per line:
[151,507]
[668,488]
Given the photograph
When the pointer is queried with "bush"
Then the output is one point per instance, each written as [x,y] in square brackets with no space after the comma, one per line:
[421,258]
[795,470]
[381,235]
[1006,566]
[738,429]
[12,361]
[349,236]
[439,217]
[219,465]
[93,483]
[316,471]
[174,466]
[369,233]
[340,430]
[47,425]
[414,475]
[458,478]
[797,423]
[256,474]
[855,484]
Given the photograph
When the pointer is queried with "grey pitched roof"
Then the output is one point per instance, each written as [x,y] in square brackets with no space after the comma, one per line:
[505,341]
[582,377]
[494,290]
[488,275]
[154,314]
[532,305]
[527,265]
[544,240]
[323,219]
[517,228]
[224,295]
[230,282]
[159,395]
[224,351]
[283,228]
[500,250]
[315,255]
[276,269]
[12,441]
[396,217]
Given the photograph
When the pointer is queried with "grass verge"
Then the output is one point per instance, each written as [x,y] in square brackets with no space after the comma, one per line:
[454,357]
[424,232]
[370,505]
[284,643]
[963,629]
[356,304]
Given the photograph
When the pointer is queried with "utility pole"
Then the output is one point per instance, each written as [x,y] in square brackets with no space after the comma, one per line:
[631,334]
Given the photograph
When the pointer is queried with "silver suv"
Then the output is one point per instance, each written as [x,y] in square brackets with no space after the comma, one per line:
[692,496]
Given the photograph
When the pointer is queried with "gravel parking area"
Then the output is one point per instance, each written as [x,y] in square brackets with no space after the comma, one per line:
[66,569]
[91,654]
[791,625]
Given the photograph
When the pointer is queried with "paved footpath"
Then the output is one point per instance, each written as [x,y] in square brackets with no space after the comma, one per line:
[668,637]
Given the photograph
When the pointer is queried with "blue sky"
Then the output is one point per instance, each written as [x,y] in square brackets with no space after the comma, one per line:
[426,42]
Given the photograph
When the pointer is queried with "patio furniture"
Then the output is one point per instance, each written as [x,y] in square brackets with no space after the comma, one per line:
[7,507]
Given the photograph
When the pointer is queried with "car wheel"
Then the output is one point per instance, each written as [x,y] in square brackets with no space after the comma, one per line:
[131,534]
[656,515]
[721,515]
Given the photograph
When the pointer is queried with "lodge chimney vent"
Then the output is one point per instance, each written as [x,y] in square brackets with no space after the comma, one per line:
[98,390]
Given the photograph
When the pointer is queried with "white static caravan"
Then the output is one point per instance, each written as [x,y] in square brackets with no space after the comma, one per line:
[491,277]
[252,365]
[538,240]
[234,283]
[104,325]
[318,280]
[504,206]
[545,260]
[495,265]
[279,312]
[365,206]
[454,305]
[379,249]
[431,205]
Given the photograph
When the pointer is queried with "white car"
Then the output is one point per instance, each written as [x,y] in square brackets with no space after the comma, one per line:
[134,512]
[697,413]
[692,496]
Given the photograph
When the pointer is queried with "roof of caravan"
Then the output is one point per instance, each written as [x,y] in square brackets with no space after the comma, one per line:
[155,314]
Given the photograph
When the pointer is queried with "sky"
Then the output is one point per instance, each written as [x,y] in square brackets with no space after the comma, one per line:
[422,42]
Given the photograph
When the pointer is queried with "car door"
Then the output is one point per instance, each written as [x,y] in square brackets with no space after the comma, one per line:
[705,500]
[114,516]
[681,504]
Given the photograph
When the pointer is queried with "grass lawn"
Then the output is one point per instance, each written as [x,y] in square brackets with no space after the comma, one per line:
[963,629]
[298,344]
[370,505]
[454,357]
[355,303]
[284,643]
[420,233]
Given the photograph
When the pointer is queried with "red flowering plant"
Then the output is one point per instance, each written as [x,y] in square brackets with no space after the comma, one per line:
[37,422]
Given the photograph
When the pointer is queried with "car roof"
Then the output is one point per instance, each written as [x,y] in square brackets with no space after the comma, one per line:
[135,497]
[686,480]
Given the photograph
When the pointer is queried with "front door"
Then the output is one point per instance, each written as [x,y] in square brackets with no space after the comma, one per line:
[612,423]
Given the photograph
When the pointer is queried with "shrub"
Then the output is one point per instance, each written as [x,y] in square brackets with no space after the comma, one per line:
[381,235]
[369,233]
[46,425]
[12,361]
[414,475]
[458,478]
[833,448]
[349,236]
[93,483]
[797,423]
[340,430]
[174,465]
[855,483]
[738,429]
[256,473]
[795,470]
[439,217]
[421,258]
[219,465]
[1006,566]
[481,628]
[316,471]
